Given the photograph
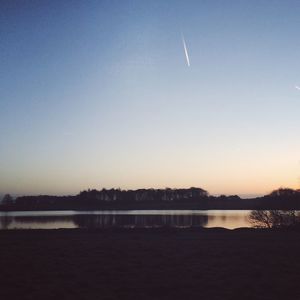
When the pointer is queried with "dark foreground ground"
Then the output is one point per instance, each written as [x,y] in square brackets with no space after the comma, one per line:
[149,264]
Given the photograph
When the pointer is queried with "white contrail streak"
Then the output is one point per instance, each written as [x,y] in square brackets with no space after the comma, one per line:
[185,51]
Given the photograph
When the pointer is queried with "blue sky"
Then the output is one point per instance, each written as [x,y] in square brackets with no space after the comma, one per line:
[98,94]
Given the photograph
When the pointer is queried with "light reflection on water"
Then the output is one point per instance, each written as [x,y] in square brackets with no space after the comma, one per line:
[134,218]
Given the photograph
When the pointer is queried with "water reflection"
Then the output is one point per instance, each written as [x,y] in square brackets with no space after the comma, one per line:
[103,221]
[5,221]
[35,222]
[127,219]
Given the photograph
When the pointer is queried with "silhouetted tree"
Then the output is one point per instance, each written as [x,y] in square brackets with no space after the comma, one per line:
[7,199]
[283,192]
[273,218]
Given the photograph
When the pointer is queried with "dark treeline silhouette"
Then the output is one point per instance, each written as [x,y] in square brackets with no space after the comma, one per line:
[192,198]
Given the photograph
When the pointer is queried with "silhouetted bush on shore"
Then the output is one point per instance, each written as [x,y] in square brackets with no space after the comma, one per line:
[274,218]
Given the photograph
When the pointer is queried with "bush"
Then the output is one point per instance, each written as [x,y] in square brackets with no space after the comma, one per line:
[273,218]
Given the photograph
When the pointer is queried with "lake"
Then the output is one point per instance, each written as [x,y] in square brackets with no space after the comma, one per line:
[126,219]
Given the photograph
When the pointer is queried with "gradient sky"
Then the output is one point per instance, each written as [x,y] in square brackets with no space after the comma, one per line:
[98,94]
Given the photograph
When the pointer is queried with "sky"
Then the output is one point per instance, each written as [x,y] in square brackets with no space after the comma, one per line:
[100,94]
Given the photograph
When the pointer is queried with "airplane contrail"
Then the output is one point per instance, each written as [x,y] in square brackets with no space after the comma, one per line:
[185,51]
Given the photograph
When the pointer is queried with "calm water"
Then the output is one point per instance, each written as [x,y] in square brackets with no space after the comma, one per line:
[133,218]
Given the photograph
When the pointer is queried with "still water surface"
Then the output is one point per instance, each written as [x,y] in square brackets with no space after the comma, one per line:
[130,219]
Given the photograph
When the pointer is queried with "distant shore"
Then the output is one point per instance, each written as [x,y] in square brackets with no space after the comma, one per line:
[145,199]
[150,264]
[146,207]
[211,204]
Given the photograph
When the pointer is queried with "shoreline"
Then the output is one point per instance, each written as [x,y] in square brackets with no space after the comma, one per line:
[142,208]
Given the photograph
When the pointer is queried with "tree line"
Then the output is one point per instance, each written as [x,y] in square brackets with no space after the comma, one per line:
[191,198]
